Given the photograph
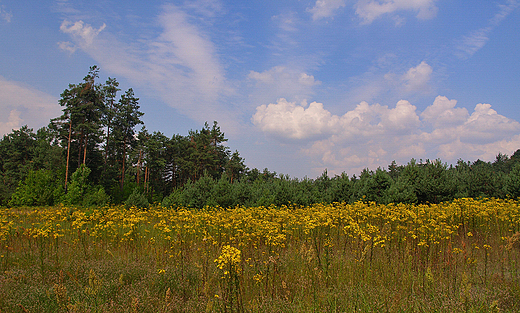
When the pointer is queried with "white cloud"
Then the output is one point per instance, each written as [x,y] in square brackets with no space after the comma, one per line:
[23,105]
[269,76]
[180,66]
[4,15]
[325,8]
[379,83]
[286,22]
[67,46]
[84,33]
[207,8]
[401,118]
[417,78]
[13,122]
[188,46]
[485,125]
[369,10]
[290,121]
[474,42]
[442,113]
[307,80]
[282,75]
[374,135]
[281,82]
[470,44]
[287,120]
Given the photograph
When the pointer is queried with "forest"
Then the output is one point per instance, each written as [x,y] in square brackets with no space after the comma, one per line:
[99,152]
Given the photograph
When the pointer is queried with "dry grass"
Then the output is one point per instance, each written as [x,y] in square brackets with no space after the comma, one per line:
[455,257]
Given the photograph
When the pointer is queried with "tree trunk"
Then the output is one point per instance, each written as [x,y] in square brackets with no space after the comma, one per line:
[80,147]
[68,155]
[85,150]
[123,169]
[139,167]
[106,147]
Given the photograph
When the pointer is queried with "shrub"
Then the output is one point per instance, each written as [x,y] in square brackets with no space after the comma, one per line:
[137,199]
[38,188]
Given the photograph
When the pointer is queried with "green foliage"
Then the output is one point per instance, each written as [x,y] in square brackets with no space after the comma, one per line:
[242,193]
[341,188]
[434,183]
[17,153]
[81,193]
[222,194]
[78,186]
[429,182]
[96,197]
[374,186]
[97,130]
[513,182]
[401,191]
[198,194]
[39,188]
[137,199]
[174,199]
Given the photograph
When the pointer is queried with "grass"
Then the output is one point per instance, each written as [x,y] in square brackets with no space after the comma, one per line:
[461,256]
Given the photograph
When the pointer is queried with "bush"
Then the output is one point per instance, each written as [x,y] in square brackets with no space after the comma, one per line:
[174,199]
[38,188]
[77,187]
[96,197]
[513,182]
[137,199]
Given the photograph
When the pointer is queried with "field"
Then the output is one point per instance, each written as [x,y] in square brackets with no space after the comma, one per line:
[462,256]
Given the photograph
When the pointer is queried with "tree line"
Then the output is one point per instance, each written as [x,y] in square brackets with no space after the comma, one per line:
[93,154]
[416,182]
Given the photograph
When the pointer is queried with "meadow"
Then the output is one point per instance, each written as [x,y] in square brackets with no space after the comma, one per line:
[459,256]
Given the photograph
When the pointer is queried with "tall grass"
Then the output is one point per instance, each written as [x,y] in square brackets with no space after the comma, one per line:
[461,256]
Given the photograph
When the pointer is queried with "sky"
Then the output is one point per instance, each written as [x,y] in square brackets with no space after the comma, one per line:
[297,87]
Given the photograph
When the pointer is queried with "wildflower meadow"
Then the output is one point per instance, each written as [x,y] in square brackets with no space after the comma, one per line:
[459,256]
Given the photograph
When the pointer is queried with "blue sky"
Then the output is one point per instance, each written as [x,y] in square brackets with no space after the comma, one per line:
[297,86]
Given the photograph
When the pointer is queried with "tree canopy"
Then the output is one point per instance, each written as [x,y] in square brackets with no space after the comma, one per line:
[94,154]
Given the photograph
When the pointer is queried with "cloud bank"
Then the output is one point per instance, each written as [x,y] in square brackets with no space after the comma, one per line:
[372,135]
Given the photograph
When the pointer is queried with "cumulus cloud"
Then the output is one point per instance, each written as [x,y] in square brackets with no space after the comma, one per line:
[442,113]
[281,82]
[372,135]
[417,78]
[369,10]
[485,125]
[13,122]
[291,121]
[401,118]
[23,105]
[379,83]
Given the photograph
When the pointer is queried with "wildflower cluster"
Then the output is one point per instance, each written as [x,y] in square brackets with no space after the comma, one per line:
[230,256]
[262,248]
